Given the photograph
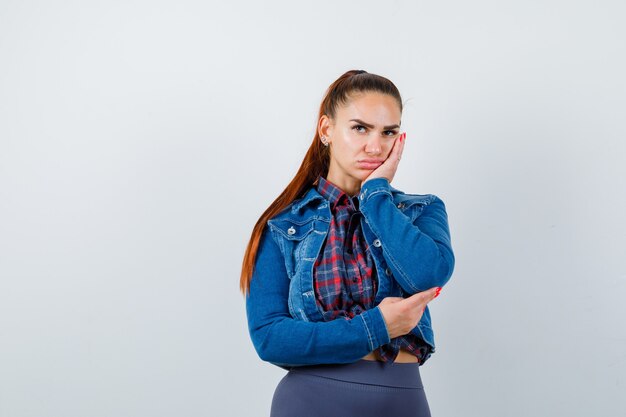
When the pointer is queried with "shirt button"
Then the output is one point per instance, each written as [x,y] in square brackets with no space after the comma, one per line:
[377,243]
[354,279]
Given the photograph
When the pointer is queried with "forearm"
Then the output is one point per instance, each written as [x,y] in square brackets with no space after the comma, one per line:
[287,341]
[280,339]
[419,253]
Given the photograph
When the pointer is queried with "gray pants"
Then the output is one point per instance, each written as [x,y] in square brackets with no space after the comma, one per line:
[360,389]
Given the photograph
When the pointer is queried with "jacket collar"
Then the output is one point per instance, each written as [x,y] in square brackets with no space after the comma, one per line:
[312,194]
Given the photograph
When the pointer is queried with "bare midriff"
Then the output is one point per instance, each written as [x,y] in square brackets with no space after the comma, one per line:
[404,356]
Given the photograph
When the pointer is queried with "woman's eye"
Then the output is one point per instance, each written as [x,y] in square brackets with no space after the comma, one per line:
[386,132]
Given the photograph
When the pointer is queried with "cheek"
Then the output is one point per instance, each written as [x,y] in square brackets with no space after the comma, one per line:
[345,150]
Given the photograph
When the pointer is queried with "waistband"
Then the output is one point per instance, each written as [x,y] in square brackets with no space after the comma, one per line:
[391,374]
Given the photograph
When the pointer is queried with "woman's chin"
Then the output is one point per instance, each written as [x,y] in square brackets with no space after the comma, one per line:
[362,174]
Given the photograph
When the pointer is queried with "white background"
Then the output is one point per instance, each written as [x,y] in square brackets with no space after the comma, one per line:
[141,140]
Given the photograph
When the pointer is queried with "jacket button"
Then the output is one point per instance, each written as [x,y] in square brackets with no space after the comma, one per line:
[400,205]
[388,271]
[291,230]
[377,243]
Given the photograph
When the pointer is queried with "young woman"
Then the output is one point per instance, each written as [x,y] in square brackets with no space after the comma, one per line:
[340,268]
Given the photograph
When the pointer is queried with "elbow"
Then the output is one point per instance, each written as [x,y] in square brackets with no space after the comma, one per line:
[269,355]
[264,355]
[441,271]
[274,356]
[262,347]
[446,267]
[265,346]
[433,271]
[449,269]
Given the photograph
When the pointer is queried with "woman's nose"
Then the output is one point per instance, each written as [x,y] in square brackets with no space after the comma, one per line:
[373,147]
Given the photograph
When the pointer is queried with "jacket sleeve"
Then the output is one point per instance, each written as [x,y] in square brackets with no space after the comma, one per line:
[280,339]
[419,253]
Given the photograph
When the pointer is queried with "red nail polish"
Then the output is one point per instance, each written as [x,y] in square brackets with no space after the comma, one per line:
[437,292]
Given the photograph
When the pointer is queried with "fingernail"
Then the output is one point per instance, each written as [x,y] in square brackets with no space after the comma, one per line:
[437,292]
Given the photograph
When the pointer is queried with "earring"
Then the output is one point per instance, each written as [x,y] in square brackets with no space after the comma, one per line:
[325,141]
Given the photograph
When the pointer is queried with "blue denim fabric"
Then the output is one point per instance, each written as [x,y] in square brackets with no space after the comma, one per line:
[409,237]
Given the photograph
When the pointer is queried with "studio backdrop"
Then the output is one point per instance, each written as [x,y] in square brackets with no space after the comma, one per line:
[141,140]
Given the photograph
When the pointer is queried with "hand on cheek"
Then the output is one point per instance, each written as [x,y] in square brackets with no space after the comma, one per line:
[388,168]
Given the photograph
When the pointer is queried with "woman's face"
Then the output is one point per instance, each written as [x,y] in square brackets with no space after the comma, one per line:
[360,137]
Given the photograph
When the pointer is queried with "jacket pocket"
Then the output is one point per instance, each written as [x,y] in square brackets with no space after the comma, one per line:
[291,237]
[292,230]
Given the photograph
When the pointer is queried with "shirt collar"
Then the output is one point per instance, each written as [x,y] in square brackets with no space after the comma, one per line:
[334,194]
[312,194]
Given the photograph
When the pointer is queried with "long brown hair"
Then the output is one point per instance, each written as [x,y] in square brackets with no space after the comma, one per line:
[317,158]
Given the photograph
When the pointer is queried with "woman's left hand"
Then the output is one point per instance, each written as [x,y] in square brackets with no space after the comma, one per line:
[388,168]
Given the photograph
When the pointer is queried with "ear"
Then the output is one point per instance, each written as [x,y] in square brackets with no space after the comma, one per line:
[325,127]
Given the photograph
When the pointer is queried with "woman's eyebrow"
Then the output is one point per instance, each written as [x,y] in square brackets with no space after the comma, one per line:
[371,126]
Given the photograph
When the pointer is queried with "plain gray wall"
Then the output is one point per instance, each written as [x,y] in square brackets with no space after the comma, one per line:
[140,141]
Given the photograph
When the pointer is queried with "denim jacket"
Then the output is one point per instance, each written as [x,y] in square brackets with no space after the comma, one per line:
[409,237]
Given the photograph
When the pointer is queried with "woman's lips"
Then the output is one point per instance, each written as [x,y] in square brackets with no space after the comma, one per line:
[369,164]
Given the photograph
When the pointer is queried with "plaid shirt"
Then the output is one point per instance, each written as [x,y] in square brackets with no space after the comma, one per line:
[344,275]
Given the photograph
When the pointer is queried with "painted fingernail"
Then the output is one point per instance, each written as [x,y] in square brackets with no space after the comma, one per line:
[437,292]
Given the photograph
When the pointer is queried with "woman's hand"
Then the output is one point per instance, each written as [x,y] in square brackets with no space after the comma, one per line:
[402,314]
[388,168]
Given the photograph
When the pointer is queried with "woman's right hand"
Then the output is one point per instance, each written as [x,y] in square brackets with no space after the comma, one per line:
[402,314]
